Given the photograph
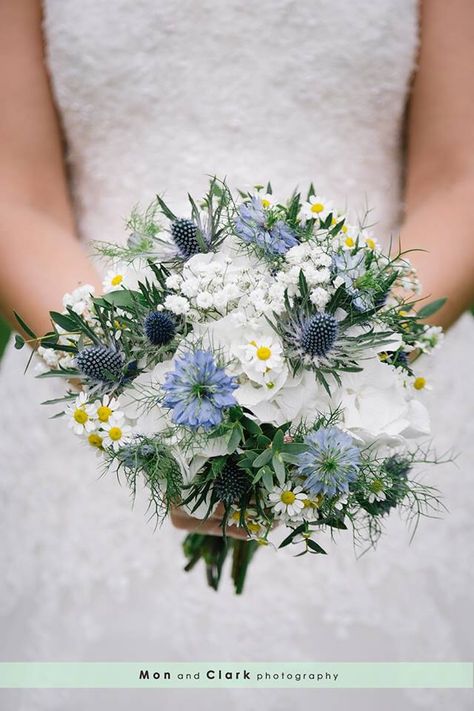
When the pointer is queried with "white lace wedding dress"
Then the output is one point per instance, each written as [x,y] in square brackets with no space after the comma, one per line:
[155,95]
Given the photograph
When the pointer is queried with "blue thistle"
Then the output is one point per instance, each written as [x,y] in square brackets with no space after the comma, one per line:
[198,390]
[183,232]
[100,363]
[330,463]
[318,335]
[160,328]
[252,228]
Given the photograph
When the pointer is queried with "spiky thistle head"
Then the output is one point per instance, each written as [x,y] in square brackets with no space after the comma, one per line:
[184,234]
[100,363]
[160,327]
[231,483]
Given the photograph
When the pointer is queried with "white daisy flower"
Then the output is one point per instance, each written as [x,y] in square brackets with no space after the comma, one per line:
[105,408]
[317,208]
[95,439]
[115,279]
[81,415]
[267,199]
[116,433]
[287,501]
[264,354]
[376,491]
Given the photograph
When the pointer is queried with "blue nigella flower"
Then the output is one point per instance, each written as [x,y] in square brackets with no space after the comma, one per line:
[198,391]
[351,267]
[251,226]
[330,463]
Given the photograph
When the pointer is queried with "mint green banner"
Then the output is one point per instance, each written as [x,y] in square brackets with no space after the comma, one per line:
[140,675]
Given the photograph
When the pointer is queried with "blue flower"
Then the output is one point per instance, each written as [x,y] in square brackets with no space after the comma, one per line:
[251,226]
[198,391]
[330,463]
[351,268]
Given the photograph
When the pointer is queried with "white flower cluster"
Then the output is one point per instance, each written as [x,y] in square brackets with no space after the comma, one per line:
[79,301]
[209,283]
[101,421]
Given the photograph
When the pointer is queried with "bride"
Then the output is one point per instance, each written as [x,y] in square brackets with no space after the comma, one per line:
[106,103]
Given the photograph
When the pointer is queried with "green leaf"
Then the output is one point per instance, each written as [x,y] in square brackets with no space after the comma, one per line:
[24,326]
[315,547]
[165,209]
[251,426]
[263,458]
[122,298]
[267,479]
[286,541]
[234,439]
[19,342]
[295,448]
[279,468]
[431,308]
[65,322]
[278,440]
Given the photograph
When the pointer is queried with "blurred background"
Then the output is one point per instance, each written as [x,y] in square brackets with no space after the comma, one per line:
[4,336]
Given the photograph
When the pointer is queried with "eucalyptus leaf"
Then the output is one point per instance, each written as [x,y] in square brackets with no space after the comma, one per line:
[431,308]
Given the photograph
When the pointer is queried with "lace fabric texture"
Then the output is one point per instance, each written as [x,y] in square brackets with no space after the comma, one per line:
[155,96]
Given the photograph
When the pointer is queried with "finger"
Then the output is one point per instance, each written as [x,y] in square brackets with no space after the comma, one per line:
[183,521]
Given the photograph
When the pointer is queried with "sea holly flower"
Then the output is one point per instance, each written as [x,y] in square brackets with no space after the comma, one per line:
[253,227]
[198,390]
[330,463]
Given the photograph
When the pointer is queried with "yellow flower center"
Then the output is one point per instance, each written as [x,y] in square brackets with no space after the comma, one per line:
[288,497]
[344,229]
[419,383]
[317,207]
[103,413]
[117,279]
[81,416]
[270,385]
[263,353]
[308,504]
[349,242]
[376,486]
[95,440]
[253,527]
[265,202]
[370,243]
[115,433]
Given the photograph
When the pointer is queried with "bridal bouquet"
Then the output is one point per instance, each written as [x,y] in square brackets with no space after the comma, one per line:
[253,359]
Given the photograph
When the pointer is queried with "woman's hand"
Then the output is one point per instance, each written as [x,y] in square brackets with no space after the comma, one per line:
[211,526]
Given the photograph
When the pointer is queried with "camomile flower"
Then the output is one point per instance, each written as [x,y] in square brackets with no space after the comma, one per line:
[287,501]
[115,433]
[376,491]
[115,279]
[95,439]
[267,200]
[317,208]
[81,415]
[105,408]
[263,354]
